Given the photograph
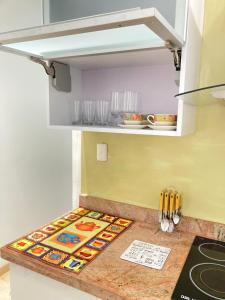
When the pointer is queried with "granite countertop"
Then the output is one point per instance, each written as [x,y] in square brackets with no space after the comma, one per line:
[109,277]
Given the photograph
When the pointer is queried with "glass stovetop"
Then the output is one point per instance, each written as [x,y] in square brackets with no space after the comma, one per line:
[203,275]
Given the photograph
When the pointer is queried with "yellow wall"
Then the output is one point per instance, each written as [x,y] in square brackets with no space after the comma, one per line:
[139,167]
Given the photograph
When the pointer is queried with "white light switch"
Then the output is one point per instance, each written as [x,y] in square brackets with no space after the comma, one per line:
[102,152]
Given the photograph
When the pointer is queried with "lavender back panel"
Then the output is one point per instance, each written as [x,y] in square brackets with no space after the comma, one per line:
[155,85]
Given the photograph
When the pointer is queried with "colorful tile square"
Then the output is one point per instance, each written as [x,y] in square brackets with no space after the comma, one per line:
[75,235]
[81,211]
[94,214]
[107,236]
[108,218]
[87,224]
[55,257]
[86,253]
[37,236]
[50,229]
[37,250]
[74,264]
[66,241]
[115,228]
[72,217]
[97,244]
[61,223]
[123,222]
[21,245]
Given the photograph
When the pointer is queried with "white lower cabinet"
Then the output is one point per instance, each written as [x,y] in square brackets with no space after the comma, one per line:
[26,285]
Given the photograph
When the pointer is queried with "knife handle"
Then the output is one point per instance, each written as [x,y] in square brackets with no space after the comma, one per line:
[178,201]
[171,203]
[161,200]
[166,201]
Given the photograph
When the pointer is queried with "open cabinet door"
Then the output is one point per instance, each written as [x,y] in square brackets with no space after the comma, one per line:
[127,30]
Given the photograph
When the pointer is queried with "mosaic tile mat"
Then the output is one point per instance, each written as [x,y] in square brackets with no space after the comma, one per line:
[72,241]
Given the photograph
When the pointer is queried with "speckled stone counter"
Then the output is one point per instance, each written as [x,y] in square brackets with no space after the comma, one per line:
[109,277]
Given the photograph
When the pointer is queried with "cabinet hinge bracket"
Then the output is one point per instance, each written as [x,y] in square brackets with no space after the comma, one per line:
[50,70]
[59,73]
[177,55]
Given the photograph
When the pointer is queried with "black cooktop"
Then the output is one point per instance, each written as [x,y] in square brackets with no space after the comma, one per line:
[203,274]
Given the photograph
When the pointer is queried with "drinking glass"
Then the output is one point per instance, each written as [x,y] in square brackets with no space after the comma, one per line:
[102,112]
[76,112]
[116,107]
[88,112]
[130,101]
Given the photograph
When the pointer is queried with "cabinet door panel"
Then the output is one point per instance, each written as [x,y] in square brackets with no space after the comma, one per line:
[41,287]
[115,32]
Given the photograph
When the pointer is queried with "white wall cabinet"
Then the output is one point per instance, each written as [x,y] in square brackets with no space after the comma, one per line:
[130,49]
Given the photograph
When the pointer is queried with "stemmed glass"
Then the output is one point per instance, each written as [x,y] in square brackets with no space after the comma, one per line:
[122,102]
[117,99]
[130,102]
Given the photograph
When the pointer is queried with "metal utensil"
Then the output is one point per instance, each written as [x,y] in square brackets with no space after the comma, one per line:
[165,221]
[161,206]
[176,217]
[171,212]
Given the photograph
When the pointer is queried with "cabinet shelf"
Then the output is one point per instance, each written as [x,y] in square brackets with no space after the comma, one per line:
[108,129]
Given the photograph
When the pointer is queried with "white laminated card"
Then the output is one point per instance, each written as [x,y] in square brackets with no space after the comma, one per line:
[149,255]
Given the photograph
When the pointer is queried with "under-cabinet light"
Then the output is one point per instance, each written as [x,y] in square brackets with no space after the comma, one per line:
[218,94]
[111,40]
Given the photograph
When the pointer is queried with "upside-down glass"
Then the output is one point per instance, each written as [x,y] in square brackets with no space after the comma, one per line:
[102,112]
[76,118]
[88,112]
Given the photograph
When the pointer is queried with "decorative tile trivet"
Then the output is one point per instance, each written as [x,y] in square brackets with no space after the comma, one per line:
[72,241]
[149,255]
